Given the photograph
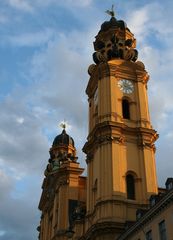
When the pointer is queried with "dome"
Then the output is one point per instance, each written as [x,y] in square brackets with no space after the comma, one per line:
[113,23]
[63,139]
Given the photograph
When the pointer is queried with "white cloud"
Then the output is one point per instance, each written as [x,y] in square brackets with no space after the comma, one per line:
[159,86]
[20,120]
[12,224]
[24,138]
[61,89]
[148,22]
[152,30]
[82,3]
[31,39]
[6,182]
[2,233]
[67,3]
[21,5]
[138,22]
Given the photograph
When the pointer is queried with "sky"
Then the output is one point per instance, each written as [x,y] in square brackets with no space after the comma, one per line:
[46,47]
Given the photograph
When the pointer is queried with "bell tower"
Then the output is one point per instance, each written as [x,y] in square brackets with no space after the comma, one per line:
[120,146]
[63,190]
[120,150]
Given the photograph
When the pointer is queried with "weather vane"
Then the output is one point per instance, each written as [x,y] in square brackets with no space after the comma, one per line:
[111,12]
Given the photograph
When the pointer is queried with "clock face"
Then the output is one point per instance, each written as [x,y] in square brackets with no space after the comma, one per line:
[126,86]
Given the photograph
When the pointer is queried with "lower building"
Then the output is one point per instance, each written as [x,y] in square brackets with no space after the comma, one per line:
[156,223]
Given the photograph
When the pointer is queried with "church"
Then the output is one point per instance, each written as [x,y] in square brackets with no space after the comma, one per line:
[119,198]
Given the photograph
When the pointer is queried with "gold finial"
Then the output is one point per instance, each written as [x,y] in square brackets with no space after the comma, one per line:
[111,12]
[63,125]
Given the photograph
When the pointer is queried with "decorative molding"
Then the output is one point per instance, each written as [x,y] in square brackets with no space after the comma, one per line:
[101,229]
[121,200]
[110,44]
[107,138]
[89,157]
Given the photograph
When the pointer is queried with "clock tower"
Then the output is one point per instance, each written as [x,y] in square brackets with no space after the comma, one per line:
[120,149]
[120,146]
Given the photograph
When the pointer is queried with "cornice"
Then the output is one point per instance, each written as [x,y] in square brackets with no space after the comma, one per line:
[117,68]
[102,134]
[102,228]
[132,203]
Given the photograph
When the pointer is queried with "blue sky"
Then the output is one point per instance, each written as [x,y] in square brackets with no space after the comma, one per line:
[46,47]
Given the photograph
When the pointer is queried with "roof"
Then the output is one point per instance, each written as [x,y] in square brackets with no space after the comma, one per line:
[63,139]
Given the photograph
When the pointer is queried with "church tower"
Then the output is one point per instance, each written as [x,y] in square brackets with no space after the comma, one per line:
[120,146]
[63,189]
[120,150]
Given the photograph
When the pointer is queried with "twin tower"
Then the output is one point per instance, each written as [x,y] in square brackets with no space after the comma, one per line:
[120,150]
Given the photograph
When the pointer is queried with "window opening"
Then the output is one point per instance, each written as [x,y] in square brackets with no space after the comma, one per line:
[126,109]
[149,235]
[162,230]
[130,184]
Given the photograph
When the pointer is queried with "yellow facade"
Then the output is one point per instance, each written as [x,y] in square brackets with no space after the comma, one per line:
[156,223]
[117,146]
[120,150]
[63,184]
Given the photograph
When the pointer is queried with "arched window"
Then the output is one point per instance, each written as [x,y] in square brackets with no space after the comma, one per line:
[130,185]
[126,109]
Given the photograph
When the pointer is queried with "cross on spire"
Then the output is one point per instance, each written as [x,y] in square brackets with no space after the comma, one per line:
[63,125]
